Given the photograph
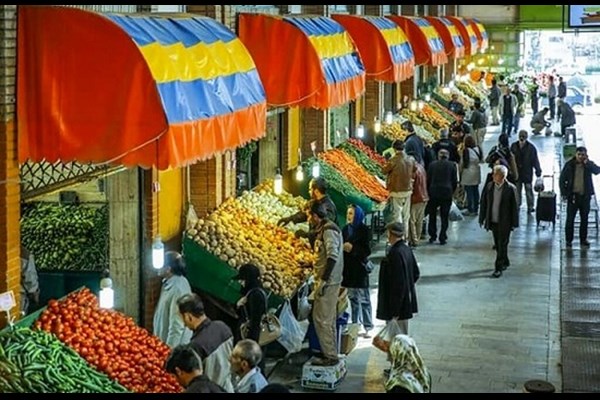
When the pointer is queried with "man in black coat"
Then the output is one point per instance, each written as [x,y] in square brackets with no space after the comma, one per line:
[185,364]
[398,273]
[526,158]
[577,189]
[499,213]
[442,180]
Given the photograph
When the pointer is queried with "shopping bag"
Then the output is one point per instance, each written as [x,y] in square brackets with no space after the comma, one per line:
[293,332]
[455,214]
[384,338]
[539,185]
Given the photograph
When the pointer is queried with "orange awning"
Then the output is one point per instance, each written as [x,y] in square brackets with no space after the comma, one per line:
[481,33]
[424,39]
[453,42]
[383,47]
[303,61]
[467,33]
[134,90]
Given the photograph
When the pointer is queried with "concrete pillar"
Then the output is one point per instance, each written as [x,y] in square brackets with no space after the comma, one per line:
[10,190]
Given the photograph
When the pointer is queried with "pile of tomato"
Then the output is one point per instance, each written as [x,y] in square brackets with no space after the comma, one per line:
[110,341]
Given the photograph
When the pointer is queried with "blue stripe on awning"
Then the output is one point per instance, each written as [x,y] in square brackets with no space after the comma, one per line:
[168,31]
[401,53]
[201,99]
[339,69]
[316,26]
[382,23]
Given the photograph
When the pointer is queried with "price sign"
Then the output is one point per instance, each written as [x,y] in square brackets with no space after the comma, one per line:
[7,301]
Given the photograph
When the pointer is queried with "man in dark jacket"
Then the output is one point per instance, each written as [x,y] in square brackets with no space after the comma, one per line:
[499,214]
[211,340]
[413,144]
[318,193]
[494,98]
[567,118]
[446,144]
[184,363]
[526,158]
[442,180]
[561,94]
[398,274]
[577,189]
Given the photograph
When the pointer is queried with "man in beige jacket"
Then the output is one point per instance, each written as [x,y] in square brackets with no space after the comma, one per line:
[400,171]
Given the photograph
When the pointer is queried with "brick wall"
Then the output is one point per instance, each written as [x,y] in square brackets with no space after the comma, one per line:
[313,127]
[375,9]
[151,282]
[315,9]
[10,194]
[407,9]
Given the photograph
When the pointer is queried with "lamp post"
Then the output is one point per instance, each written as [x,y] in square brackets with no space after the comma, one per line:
[278,182]
[106,297]
[158,253]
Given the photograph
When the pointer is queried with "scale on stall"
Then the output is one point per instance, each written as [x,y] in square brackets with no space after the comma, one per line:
[7,302]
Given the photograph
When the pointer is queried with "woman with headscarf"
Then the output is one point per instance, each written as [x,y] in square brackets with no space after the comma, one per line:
[357,248]
[408,373]
[253,303]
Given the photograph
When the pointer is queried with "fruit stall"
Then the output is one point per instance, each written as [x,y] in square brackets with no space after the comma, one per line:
[74,346]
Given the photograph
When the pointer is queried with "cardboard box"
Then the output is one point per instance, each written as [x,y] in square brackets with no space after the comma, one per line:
[323,378]
[349,338]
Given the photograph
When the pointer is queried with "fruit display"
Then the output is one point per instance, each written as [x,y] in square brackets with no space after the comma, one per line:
[378,158]
[109,341]
[394,131]
[358,176]
[286,199]
[444,98]
[267,206]
[441,109]
[471,90]
[434,118]
[237,237]
[34,361]
[423,129]
[66,237]
[363,159]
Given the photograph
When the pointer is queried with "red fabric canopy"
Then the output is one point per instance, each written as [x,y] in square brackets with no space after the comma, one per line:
[303,61]
[424,39]
[467,33]
[383,47]
[134,90]
[453,42]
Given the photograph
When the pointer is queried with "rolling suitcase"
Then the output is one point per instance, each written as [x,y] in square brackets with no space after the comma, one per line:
[546,205]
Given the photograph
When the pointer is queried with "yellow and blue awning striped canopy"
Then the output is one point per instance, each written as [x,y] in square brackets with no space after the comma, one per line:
[424,39]
[303,61]
[136,90]
[481,33]
[383,46]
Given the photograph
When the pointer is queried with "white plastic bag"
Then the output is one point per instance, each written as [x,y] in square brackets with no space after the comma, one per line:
[292,331]
[385,336]
[191,218]
[455,214]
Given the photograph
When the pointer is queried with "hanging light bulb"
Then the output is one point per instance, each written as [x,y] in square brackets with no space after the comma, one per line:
[377,125]
[278,182]
[316,169]
[299,173]
[413,105]
[158,253]
[389,118]
[428,97]
[451,84]
[106,297]
[360,131]
[446,90]
[420,105]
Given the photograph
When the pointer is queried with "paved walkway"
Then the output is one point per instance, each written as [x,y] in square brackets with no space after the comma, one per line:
[478,334]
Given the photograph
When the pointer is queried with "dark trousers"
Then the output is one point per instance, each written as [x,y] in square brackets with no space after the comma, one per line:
[577,203]
[507,123]
[472,198]
[535,105]
[552,106]
[444,206]
[501,240]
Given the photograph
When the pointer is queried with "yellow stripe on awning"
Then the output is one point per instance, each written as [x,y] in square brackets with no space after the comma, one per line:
[332,46]
[201,61]
[394,37]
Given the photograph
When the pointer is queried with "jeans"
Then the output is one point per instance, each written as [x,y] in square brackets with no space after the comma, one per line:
[552,106]
[472,198]
[360,303]
[577,203]
[507,123]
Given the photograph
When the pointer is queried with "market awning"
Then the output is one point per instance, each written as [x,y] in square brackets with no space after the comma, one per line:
[468,34]
[453,42]
[383,46]
[481,33]
[135,90]
[424,39]
[303,61]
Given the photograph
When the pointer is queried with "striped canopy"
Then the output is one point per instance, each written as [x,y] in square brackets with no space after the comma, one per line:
[453,42]
[424,40]
[135,90]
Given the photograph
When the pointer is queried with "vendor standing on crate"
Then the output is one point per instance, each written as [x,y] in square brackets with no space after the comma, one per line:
[577,189]
[318,193]
[329,267]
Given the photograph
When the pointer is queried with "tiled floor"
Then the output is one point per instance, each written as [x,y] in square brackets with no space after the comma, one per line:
[478,334]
